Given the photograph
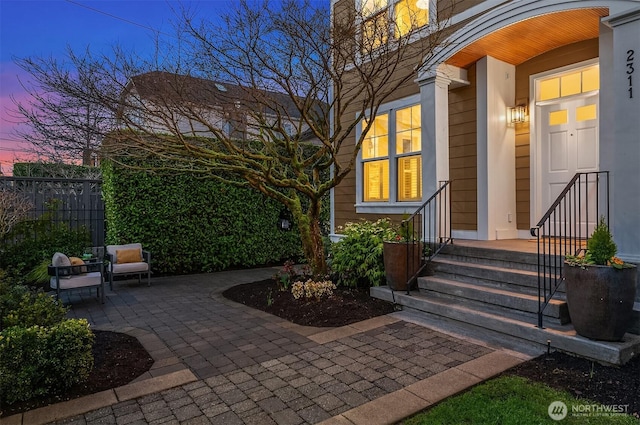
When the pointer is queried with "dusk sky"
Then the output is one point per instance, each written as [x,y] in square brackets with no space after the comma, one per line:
[45,29]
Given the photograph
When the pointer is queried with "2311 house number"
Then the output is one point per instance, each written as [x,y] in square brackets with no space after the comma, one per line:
[630,70]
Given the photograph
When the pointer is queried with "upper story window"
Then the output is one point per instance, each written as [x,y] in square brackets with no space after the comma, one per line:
[385,18]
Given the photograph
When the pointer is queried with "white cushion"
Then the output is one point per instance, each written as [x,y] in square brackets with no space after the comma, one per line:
[60,260]
[129,268]
[78,281]
[111,249]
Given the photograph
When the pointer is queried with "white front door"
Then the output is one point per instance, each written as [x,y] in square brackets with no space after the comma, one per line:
[569,145]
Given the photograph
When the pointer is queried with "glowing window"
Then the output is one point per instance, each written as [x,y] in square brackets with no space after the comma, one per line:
[558,117]
[410,178]
[408,16]
[376,180]
[408,132]
[549,89]
[570,84]
[591,79]
[376,142]
[585,113]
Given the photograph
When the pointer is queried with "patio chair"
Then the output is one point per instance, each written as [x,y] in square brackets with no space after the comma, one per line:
[127,260]
[69,273]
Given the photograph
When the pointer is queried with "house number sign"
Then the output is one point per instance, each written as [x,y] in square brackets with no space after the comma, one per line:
[630,70]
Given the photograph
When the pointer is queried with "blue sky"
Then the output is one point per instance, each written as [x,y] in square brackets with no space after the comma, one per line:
[45,28]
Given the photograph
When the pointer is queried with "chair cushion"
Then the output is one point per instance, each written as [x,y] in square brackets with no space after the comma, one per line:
[129,268]
[111,249]
[60,260]
[78,281]
[75,261]
[131,255]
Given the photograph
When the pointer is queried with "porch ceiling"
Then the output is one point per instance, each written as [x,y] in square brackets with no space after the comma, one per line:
[523,40]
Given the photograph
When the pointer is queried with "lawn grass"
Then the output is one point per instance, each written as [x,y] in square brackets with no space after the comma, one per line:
[510,400]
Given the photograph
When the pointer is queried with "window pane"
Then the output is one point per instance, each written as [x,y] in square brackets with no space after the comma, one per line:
[410,178]
[408,132]
[549,89]
[375,31]
[585,113]
[591,79]
[376,142]
[571,84]
[369,7]
[409,17]
[558,117]
[376,181]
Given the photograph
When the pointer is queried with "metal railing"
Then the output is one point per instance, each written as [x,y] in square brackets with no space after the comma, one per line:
[428,230]
[565,229]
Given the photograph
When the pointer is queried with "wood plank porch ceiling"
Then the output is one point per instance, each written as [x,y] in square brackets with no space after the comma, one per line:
[526,39]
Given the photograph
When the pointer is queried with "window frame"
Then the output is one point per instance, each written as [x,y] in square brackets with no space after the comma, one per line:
[393,205]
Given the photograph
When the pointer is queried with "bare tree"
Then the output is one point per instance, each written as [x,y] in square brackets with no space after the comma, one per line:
[302,84]
[61,126]
[14,208]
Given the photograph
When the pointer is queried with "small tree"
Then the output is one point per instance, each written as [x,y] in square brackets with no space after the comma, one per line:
[13,209]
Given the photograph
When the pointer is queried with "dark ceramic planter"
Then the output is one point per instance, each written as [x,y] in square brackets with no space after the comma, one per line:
[397,268]
[600,300]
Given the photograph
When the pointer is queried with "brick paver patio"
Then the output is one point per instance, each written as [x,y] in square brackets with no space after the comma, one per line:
[255,368]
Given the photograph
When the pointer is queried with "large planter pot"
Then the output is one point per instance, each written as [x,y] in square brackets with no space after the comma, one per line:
[600,300]
[398,267]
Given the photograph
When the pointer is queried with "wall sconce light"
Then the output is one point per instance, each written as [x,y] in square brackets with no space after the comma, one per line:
[517,114]
[284,221]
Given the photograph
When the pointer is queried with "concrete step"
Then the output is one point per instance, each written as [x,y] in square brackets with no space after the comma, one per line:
[494,257]
[516,330]
[479,273]
[493,299]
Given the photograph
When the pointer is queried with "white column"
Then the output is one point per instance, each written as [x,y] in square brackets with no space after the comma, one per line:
[623,154]
[434,100]
[495,150]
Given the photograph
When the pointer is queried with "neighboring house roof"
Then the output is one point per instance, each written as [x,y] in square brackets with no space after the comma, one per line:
[166,88]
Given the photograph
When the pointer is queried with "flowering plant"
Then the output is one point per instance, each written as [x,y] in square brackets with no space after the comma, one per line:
[312,289]
[601,250]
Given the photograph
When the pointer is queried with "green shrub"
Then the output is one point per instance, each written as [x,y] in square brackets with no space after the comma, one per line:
[357,258]
[33,309]
[37,360]
[601,247]
[193,225]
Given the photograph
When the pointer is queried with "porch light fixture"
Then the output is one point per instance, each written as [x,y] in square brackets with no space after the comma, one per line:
[422,4]
[517,114]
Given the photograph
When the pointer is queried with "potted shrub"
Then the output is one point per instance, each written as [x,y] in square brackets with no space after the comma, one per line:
[402,256]
[600,288]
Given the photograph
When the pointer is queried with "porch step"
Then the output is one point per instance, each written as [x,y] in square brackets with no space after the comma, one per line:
[494,299]
[505,277]
[513,332]
[493,257]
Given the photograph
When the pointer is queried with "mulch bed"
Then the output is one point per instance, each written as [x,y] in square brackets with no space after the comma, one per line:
[346,306]
[118,359]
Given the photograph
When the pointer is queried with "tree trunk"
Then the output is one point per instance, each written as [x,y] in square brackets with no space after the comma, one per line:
[311,236]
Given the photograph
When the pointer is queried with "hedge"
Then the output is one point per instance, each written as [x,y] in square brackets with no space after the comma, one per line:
[193,225]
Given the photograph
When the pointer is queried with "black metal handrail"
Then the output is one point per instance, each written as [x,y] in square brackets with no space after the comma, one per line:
[565,228]
[428,230]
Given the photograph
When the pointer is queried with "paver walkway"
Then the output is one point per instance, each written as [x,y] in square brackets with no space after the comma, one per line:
[255,368]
